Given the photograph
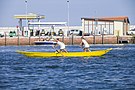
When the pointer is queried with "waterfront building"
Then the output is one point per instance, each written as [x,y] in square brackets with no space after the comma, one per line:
[106,25]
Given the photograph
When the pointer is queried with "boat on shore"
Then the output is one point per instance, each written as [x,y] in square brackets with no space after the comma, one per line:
[65,54]
[45,42]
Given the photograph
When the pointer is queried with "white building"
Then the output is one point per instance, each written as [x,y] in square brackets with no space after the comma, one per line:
[106,25]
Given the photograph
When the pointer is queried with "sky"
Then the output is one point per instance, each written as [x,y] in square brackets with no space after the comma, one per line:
[57,10]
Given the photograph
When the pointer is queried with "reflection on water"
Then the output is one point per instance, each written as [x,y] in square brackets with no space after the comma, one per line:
[115,70]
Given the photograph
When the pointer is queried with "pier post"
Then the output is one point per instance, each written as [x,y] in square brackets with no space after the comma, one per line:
[29,40]
[18,36]
[102,38]
[72,39]
[117,37]
[94,39]
[5,39]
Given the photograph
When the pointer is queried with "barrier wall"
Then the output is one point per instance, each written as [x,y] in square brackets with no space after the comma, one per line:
[71,40]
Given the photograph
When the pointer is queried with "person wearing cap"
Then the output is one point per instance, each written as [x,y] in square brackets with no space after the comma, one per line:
[61,44]
[84,44]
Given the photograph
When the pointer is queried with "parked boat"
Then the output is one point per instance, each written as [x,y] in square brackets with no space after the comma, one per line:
[64,54]
[45,42]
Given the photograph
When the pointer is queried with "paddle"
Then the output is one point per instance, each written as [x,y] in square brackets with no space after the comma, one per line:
[58,51]
[83,48]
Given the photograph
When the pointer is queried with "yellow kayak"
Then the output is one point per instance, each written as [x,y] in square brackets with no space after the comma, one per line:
[64,54]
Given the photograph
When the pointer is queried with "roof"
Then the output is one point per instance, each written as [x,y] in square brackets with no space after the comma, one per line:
[47,23]
[118,18]
[29,16]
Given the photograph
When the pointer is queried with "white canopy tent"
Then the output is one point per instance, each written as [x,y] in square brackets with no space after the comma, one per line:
[50,24]
[47,23]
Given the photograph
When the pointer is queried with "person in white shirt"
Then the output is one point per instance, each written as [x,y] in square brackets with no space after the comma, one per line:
[84,44]
[61,44]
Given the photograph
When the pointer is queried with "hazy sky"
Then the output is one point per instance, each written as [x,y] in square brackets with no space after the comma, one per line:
[56,10]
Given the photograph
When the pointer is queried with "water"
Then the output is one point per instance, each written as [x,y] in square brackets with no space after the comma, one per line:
[113,71]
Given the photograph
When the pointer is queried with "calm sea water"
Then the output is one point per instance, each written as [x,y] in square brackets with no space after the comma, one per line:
[113,71]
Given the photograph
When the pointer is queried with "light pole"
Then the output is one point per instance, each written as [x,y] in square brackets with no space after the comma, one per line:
[68,14]
[68,18]
[95,31]
[26,11]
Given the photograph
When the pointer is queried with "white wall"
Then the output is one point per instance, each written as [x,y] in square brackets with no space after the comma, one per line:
[118,28]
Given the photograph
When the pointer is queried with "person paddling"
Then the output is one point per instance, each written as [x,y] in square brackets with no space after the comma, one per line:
[61,44]
[85,44]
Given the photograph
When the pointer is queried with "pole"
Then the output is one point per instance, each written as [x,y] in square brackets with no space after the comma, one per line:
[72,39]
[68,14]
[18,35]
[94,37]
[96,28]
[26,11]
[39,28]
[117,37]
[5,39]
[103,37]
[29,40]
[20,26]
[29,35]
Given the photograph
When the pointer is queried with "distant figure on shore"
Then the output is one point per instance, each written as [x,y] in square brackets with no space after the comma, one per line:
[84,44]
[61,44]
